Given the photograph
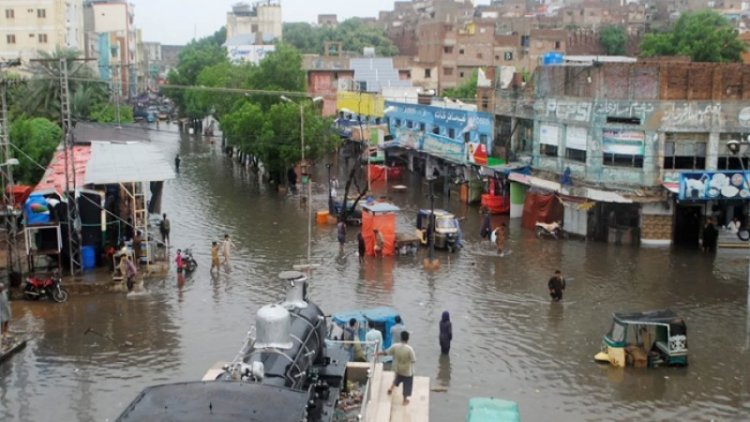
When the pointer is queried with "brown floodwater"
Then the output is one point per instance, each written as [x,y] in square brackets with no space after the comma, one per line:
[509,341]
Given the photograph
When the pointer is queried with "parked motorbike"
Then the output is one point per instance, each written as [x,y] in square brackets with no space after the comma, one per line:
[51,287]
[553,230]
[190,263]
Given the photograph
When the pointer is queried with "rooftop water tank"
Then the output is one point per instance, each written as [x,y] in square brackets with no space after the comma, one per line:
[552,58]
[272,326]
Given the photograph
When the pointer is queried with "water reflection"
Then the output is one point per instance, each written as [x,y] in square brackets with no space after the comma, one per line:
[444,371]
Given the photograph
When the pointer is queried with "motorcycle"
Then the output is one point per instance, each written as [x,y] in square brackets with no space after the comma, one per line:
[190,263]
[36,288]
[553,230]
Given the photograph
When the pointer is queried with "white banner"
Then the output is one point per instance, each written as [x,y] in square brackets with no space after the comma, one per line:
[575,138]
[549,134]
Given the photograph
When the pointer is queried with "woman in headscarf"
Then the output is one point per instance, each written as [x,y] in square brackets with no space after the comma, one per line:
[446,333]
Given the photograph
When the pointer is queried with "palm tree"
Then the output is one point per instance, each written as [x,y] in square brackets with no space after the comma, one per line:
[42,96]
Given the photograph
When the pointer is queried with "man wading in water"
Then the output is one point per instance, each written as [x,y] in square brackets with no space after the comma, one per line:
[556,286]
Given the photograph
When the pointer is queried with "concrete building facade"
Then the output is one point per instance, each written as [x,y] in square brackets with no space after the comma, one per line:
[622,137]
[262,17]
[112,39]
[30,26]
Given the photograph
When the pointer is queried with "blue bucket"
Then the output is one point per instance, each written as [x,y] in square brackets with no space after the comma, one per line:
[88,257]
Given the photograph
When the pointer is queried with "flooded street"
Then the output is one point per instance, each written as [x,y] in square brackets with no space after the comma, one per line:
[509,341]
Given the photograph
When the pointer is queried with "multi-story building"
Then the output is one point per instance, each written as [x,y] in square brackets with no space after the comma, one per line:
[261,17]
[30,26]
[111,38]
[152,64]
[632,149]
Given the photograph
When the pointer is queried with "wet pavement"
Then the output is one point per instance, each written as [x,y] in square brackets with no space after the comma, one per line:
[509,341]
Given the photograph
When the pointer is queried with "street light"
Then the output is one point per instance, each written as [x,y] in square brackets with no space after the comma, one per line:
[303,169]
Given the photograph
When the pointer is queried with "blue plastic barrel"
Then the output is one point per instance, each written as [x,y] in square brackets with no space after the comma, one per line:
[88,256]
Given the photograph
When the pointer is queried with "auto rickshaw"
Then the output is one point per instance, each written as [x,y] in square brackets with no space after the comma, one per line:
[645,339]
[446,229]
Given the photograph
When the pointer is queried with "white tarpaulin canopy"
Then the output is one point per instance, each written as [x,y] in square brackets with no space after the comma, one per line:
[123,162]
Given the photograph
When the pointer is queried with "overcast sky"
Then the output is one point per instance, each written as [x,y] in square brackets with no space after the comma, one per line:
[177,21]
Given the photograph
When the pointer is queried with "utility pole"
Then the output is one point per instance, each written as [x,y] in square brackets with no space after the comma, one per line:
[73,219]
[7,172]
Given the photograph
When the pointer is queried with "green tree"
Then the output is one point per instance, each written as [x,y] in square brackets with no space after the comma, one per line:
[465,91]
[613,39]
[41,98]
[108,113]
[704,36]
[243,126]
[279,144]
[353,33]
[279,71]
[192,60]
[200,102]
[37,138]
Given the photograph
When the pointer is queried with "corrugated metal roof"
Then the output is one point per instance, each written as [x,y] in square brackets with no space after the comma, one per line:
[124,162]
[54,177]
[377,73]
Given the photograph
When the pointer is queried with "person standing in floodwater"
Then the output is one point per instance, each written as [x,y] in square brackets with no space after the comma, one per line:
[556,286]
[214,256]
[486,227]
[361,246]
[379,242]
[177,161]
[226,249]
[500,234]
[164,228]
[341,234]
[446,333]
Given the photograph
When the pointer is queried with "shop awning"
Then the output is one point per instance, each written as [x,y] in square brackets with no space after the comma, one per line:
[592,194]
[673,187]
[126,162]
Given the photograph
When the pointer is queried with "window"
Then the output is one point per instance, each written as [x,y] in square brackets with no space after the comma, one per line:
[575,154]
[447,71]
[10,39]
[467,137]
[685,151]
[421,127]
[728,160]
[460,51]
[451,133]
[409,124]
[525,41]
[480,56]
[398,122]
[43,38]
[461,74]
[483,139]
[41,13]
[448,50]
[548,150]
[623,160]
[497,57]
[427,73]
[436,130]
[10,14]
[508,56]
[557,45]
[485,102]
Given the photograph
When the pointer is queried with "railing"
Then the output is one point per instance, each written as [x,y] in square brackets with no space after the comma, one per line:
[367,394]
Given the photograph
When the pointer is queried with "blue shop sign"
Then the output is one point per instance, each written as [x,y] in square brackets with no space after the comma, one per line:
[714,186]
